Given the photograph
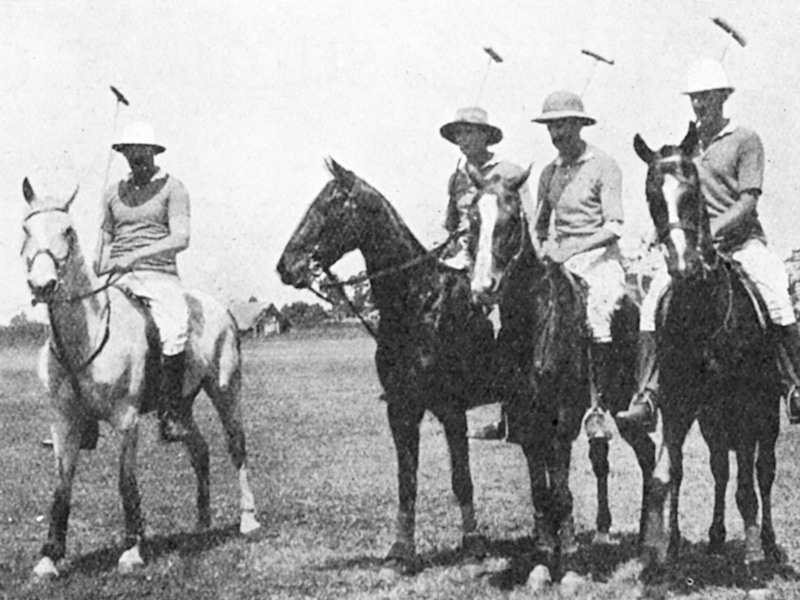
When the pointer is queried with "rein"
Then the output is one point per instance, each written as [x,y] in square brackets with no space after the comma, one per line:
[433,253]
[60,354]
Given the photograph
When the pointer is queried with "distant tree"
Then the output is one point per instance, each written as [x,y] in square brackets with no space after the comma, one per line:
[18,321]
[301,314]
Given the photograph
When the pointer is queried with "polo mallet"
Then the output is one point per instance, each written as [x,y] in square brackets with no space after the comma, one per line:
[494,57]
[731,31]
[597,59]
[120,100]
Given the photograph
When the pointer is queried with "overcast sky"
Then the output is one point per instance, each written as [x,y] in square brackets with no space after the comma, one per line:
[250,96]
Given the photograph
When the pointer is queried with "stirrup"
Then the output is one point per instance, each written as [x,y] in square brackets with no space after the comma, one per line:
[793,404]
[595,423]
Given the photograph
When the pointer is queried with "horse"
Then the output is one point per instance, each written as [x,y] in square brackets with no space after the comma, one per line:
[544,336]
[717,360]
[102,363]
[433,346]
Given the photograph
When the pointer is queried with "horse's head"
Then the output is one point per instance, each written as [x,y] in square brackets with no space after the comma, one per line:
[676,203]
[500,227]
[328,230]
[49,244]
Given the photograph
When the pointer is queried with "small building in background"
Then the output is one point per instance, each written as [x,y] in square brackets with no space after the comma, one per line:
[258,319]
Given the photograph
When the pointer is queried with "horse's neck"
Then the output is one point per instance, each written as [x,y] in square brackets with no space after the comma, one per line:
[387,245]
[76,315]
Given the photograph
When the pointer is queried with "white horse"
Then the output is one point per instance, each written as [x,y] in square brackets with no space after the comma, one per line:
[101,363]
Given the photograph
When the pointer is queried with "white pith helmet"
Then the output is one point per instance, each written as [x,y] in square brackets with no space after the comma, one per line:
[705,75]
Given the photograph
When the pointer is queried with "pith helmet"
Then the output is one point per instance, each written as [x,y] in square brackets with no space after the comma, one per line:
[705,75]
[138,134]
[475,116]
[563,105]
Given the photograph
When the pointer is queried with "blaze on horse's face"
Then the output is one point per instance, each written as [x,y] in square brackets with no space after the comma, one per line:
[48,242]
[325,234]
[497,222]
[676,203]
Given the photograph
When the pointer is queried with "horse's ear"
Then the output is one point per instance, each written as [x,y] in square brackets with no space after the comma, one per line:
[517,182]
[27,191]
[476,176]
[643,150]
[340,173]
[72,198]
[690,141]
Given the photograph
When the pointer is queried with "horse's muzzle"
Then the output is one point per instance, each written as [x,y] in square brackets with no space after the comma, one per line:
[42,293]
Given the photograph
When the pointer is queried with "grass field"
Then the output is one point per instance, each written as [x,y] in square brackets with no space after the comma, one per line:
[323,470]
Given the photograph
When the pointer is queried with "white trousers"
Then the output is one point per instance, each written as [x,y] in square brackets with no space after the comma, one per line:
[762,266]
[163,294]
[605,278]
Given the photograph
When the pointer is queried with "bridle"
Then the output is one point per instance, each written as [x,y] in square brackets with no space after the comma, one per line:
[679,224]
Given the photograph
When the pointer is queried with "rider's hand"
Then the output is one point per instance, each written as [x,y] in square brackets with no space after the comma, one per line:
[557,254]
[122,264]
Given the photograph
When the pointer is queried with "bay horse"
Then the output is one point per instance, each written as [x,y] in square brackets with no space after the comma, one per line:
[102,363]
[717,360]
[433,346]
[544,337]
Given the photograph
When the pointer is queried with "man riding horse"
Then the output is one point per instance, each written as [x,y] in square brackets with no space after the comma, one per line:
[145,225]
[730,162]
[473,134]
[582,189]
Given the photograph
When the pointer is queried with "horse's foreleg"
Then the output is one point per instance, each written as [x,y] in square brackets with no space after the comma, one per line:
[720,469]
[131,502]
[455,429]
[66,444]
[198,455]
[765,472]
[675,450]
[645,450]
[598,455]
[542,497]
[747,501]
[562,496]
[226,401]
[404,424]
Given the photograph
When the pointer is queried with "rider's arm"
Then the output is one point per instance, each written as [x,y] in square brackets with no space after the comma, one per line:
[731,218]
[749,170]
[543,208]
[102,251]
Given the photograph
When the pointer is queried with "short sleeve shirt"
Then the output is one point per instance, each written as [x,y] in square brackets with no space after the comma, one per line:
[585,195]
[138,216]
[731,164]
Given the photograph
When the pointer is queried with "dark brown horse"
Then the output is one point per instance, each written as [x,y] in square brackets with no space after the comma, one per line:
[544,339]
[433,347]
[717,363]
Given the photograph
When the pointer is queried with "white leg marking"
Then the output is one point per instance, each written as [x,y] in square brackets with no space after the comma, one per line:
[45,569]
[130,561]
[248,523]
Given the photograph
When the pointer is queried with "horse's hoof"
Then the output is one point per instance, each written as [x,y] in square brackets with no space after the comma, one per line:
[401,559]
[248,523]
[760,594]
[571,583]
[473,547]
[602,538]
[45,569]
[130,561]
[539,579]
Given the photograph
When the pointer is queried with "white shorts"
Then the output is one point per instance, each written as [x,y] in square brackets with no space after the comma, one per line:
[762,266]
[163,293]
[605,278]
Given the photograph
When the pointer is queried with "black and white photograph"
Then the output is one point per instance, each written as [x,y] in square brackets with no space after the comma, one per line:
[336,299]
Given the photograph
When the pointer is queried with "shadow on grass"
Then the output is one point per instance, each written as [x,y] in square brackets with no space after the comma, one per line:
[184,543]
[694,570]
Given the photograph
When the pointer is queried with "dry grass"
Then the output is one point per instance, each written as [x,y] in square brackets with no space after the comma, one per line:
[323,469]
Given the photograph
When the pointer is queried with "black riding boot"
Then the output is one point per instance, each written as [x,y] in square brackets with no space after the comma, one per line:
[790,341]
[595,422]
[643,406]
[172,413]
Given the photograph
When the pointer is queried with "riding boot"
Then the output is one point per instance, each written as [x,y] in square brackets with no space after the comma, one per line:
[789,337]
[643,406]
[172,414]
[595,422]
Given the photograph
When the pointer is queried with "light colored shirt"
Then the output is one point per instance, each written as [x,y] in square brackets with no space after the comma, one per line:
[585,195]
[731,164]
[138,216]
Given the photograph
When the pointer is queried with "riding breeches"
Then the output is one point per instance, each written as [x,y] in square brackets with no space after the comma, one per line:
[602,271]
[163,294]
[763,268]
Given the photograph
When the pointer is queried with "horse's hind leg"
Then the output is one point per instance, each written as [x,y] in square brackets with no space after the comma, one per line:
[720,469]
[131,503]
[197,447]
[645,450]
[598,455]
[455,429]
[226,400]
[765,473]
[747,501]
[66,442]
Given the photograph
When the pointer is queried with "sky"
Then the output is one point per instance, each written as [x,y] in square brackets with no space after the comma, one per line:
[249,97]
